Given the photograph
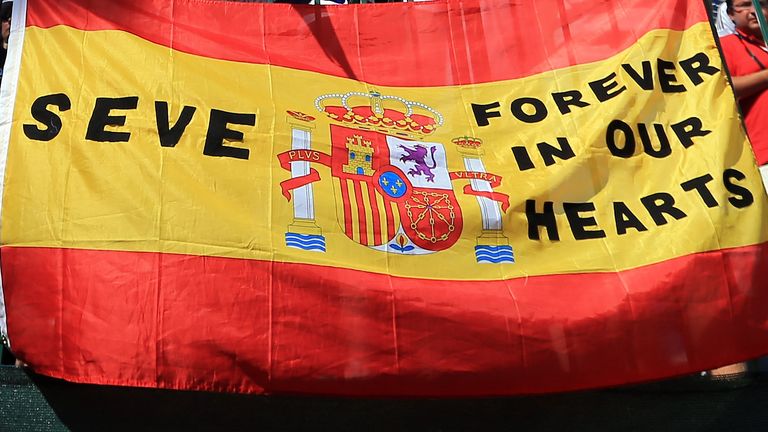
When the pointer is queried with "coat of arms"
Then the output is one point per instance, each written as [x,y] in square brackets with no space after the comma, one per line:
[393,189]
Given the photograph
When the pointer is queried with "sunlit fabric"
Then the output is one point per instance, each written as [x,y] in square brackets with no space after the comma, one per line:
[449,198]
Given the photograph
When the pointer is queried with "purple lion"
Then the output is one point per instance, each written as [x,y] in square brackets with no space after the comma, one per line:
[418,155]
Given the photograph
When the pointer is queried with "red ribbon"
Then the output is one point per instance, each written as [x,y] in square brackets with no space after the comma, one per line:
[492,179]
[312,156]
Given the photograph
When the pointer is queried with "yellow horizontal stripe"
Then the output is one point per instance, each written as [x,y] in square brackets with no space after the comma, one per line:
[139,196]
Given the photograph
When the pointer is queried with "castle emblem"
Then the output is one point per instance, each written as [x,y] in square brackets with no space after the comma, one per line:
[359,157]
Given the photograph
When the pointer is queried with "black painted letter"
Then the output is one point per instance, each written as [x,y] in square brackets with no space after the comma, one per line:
[666,79]
[483,112]
[548,152]
[564,100]
[659,204]
[545,220]
[645,81]
[626,219]
[218,132]
[629,139]
[580,224]
[700,185]
[645,137]
[689,128]
[602,88]
[170,136]
[697,65]
[743,196]
[101,118]
[539,110]
[48,118]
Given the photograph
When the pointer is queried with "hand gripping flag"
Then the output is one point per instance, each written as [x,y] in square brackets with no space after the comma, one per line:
[463,197]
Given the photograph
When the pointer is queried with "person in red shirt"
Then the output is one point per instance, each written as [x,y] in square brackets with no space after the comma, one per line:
[746,56]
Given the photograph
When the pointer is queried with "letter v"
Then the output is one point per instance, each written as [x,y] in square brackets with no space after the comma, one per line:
[645,81]
[170,136]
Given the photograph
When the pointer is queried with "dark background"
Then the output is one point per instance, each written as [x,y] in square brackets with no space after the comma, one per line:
[31,402]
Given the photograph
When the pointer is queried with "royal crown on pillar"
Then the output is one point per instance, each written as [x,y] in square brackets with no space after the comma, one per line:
[468,142]
[391,115]
[469,146]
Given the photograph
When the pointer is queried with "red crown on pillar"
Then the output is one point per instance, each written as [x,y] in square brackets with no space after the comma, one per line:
[392,115]
[298,115]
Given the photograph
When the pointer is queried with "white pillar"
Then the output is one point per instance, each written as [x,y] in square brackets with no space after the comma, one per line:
[303,233]
[492,246]
[303,197]
[489,209]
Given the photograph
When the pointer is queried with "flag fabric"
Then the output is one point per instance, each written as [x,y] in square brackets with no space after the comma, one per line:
[450,198]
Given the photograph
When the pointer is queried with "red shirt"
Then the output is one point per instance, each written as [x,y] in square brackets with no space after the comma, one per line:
[754,108]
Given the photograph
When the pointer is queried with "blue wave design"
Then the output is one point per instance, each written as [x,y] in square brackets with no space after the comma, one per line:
[494,251]
[304,237]
[318,244]
[490,255]
[495,261]
[307,242]
[499,255]
[494,248]
[306,248]
[494,254]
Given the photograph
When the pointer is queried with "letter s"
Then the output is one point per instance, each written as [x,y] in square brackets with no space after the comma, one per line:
[46,117]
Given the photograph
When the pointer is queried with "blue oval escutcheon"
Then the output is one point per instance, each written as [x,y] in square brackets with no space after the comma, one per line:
[393,185]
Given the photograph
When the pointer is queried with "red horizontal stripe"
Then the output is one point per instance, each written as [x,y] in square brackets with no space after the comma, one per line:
[403,44]
[191,322]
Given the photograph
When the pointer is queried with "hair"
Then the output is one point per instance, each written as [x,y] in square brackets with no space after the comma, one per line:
[6,10]
[729,6]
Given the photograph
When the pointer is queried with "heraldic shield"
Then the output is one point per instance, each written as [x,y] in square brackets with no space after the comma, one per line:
[393,190]
[393,193]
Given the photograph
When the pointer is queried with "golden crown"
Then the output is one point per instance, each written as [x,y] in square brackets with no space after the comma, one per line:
[392,115]
[468,142]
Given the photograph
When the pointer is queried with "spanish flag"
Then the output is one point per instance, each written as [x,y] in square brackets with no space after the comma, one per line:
[447,198]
